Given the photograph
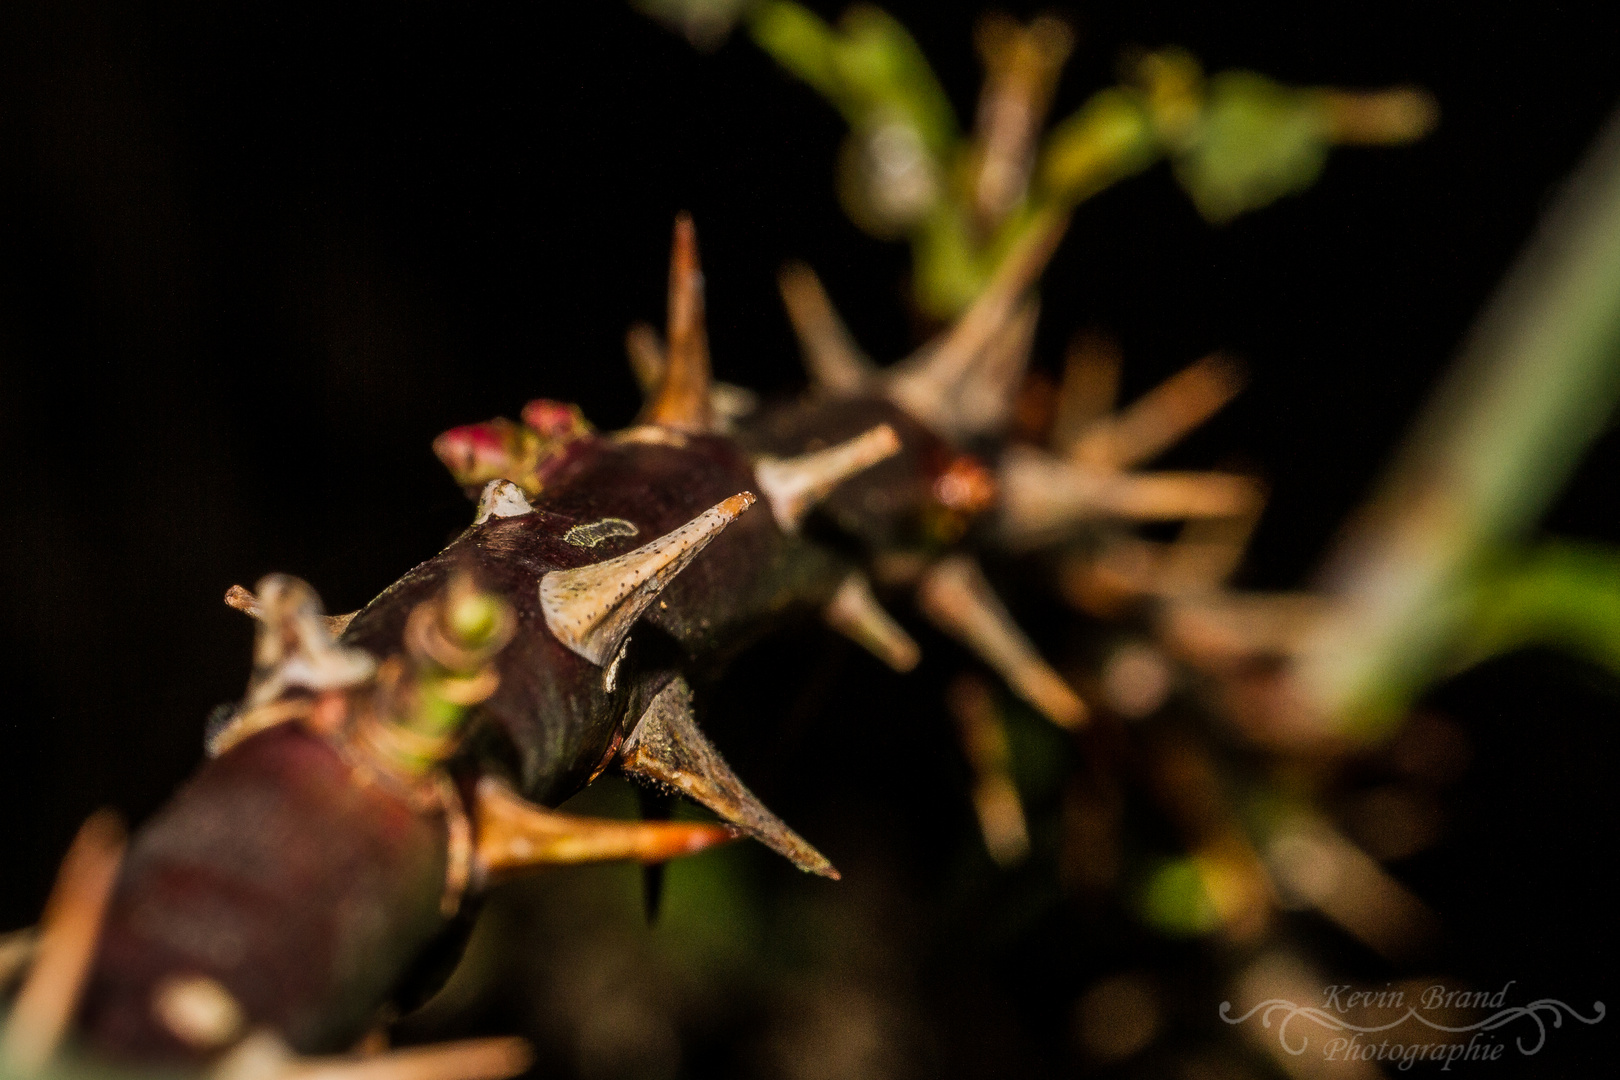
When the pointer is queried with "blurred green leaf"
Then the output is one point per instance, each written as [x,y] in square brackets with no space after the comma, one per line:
[1174,900]
[1564,595]
[1256,142]
[1105,140]
[870,68]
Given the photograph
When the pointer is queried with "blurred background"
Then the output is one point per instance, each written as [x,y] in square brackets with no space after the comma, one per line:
[252,259]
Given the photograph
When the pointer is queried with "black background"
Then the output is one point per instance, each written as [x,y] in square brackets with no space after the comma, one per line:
[253,257]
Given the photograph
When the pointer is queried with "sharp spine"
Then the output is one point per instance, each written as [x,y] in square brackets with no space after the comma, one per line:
[591,609]
[835,363]
[1162,416]
[514,834]
[1089,388]
[930,383]
[682,400]
[794,485]
[667,748]
[855,612]
[955,596]
[1045,498]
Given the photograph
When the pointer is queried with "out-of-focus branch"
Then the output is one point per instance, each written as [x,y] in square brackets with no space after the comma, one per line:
[1536,382]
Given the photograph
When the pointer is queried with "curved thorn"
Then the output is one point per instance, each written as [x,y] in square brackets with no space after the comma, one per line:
[955,596]
[667,748]
[244,601]
[794,485]
[592,608]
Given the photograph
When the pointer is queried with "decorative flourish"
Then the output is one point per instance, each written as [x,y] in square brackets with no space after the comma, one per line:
[1533,1011]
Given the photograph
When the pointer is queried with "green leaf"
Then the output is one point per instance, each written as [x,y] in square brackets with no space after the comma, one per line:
[1256,142]
[1564,595]
[1105,140]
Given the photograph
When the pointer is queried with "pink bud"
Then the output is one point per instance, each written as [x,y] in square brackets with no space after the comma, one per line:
[555,421]
[478,453]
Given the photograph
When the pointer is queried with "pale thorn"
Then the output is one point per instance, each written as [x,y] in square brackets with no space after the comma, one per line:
[1379,117]
[1045,498]
[501,499]
[1001,819]
[265,1057]
[262,1055]
[244,601]
[682,400]
[1313,864]
[198,1011]
[835,362]
[928,383]
[1123,569]
[855,612]
[1089,389]
[515,835]
[294,646]
[1161,417]
[646,352]
[1022,64]
[985,400]
[1223,629]
[730,403]
[591,609]
[995,796]
[793,486]
[667,748]
[1208,551]
[67,940]
[16,953]
[1173,496]
[955,596]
